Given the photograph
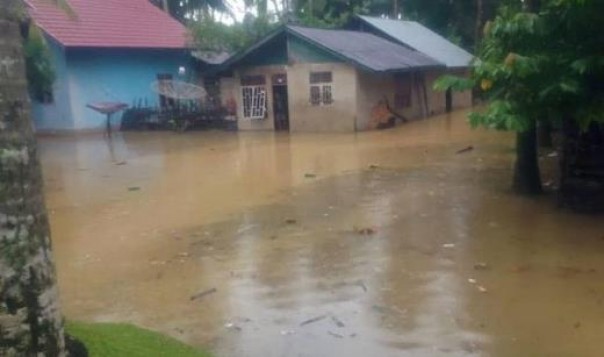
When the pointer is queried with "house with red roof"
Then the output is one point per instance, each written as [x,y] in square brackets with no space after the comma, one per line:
[106,51]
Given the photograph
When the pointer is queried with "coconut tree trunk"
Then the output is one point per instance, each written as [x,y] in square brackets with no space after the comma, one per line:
[30,321]
[478,25]
[527,179]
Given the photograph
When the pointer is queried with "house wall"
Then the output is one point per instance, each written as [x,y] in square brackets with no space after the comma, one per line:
[55,115]
[94,75]
[340,116]
[463,99]
[373,88]
[437,100]
[268,123]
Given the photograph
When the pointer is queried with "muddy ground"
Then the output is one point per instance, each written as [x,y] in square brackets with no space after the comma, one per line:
[384,243]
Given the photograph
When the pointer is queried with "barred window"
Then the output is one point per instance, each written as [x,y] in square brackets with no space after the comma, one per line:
[321,92]
[254,102]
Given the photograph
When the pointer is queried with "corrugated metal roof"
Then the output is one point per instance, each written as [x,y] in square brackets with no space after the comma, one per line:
[366,50]
[109,23]
[210,57]
[422,39]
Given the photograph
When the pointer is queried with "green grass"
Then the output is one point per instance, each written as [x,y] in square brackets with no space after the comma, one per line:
[123,340]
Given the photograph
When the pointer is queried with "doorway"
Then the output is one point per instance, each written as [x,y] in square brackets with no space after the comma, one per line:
[280,107]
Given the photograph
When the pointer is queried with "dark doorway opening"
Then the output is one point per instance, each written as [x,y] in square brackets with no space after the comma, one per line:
[280,108]
[449,100]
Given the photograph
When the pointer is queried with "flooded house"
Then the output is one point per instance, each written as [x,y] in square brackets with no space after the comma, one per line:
[309,79]
[414,35]
[105,51]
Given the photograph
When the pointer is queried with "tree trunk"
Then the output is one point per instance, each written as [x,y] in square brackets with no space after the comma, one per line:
[479,17]
[544,131]
[527,179]
[395,9]
[30,321]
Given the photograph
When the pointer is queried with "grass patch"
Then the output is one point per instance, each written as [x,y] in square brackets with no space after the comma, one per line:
[124,340]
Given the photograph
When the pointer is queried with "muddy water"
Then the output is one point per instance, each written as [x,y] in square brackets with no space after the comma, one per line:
[373,244]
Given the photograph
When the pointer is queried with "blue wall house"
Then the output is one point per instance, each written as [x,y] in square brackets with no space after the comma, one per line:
[106,51]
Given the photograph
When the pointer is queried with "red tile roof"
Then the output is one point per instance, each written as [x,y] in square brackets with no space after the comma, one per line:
[109,23]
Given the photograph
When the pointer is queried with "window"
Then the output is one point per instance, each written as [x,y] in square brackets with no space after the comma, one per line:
[402,91]
[253,93]
[254,102]
[320,88]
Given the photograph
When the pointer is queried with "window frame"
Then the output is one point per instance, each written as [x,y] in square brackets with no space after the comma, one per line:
[323,82]
[258,102]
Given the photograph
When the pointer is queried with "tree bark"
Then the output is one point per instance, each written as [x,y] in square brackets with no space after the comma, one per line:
[478,29]
[395,9]
[544,131]
[30,320]
[527,178]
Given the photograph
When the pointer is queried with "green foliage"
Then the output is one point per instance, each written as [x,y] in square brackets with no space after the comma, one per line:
[40,72]
[214,36]
[123,340]
[184,10]
[331,14]
[547,65]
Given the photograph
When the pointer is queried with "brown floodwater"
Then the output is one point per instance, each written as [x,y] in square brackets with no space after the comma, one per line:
[384,243]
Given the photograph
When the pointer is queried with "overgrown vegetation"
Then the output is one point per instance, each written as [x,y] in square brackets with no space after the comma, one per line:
[123,340]
[539,66]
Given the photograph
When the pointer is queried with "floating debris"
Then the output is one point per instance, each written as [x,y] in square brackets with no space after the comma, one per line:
[291,221]
[203,293]
[466,149]
[481,266]
[362,285]
[365,231]
[472,281]
[482,289]
[232,326]
[373,166]
[287,332]
[313,320]
[309,175]
[134,188]
[336,335]
[120,163]
[553,154]
[449,245]
[337,321]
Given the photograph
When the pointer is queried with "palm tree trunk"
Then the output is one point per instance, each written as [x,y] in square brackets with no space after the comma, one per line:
[30,320]
[479,19]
